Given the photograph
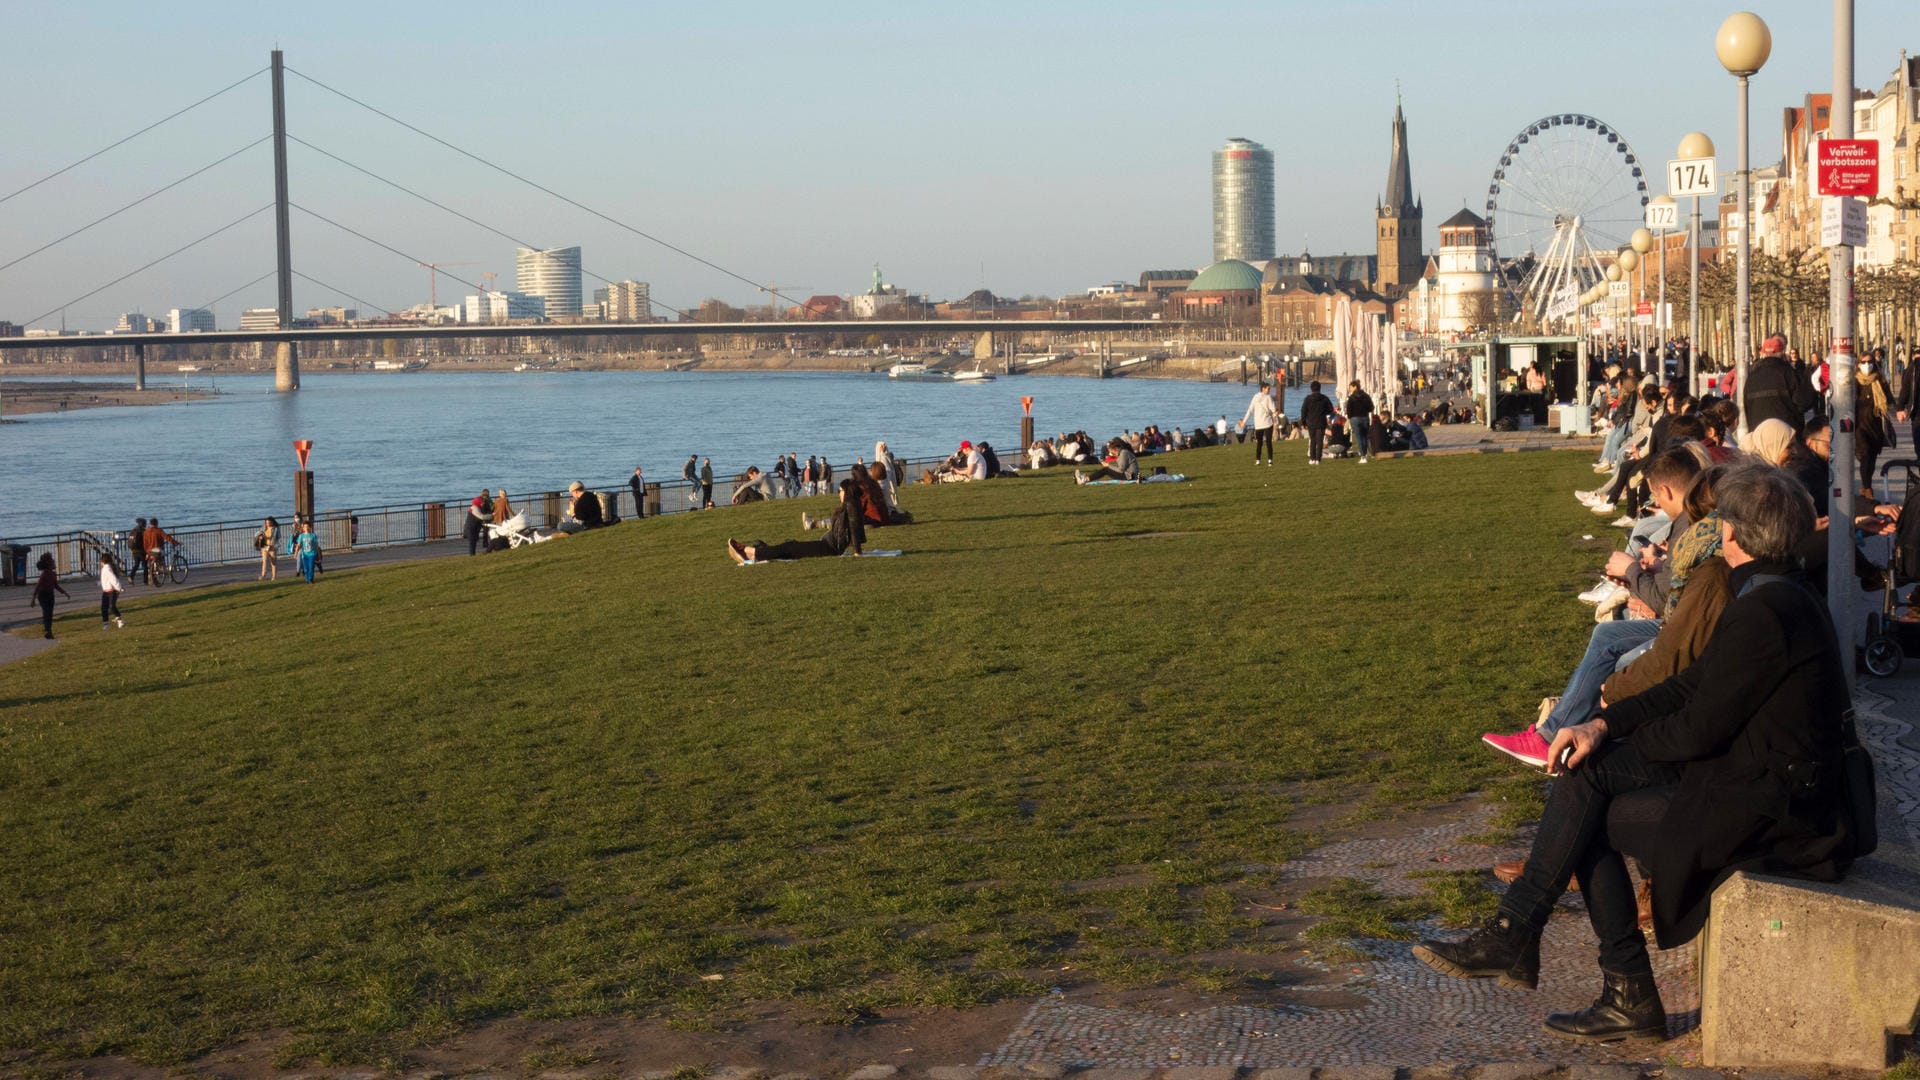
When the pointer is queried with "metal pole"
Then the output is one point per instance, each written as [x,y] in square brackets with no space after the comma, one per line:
[286,373]
[1841,582]
[1693,301]
[1740,315]
[1660,327]
[139,366]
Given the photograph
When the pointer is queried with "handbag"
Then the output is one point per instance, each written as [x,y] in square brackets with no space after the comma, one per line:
[1859,792]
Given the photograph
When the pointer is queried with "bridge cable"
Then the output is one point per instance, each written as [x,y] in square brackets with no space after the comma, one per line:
[236,221]
[576,204]
[209,304]
[342,292]
[135,135]
[134,203]
[376,243]
[396,185]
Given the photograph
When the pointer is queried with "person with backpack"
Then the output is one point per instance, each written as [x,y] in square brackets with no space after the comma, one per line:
[263,542]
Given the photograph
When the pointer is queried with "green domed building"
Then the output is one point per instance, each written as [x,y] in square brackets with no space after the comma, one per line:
[1228,292]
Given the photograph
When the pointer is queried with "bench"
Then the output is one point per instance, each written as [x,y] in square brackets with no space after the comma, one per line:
[1802,973]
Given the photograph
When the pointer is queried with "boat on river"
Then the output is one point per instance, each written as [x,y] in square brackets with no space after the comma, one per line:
[974,376]
[914,371]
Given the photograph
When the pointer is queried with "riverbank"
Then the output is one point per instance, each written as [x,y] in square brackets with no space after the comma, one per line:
[43,397]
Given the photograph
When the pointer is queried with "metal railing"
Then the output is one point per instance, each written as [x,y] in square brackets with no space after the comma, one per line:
[227,543]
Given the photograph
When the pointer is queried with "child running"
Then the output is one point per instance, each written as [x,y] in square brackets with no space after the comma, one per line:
[110,588]
[43,591]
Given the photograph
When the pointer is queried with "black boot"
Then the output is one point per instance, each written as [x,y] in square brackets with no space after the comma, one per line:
[1501,947]
[1629,1008]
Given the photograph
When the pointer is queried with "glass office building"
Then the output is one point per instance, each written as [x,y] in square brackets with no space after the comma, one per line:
[1243,202]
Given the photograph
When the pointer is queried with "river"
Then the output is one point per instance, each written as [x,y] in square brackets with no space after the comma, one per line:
[396,438]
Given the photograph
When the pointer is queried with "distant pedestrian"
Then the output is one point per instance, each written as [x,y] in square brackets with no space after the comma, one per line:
[793,475]
[137,548]
[307,546]
[43,591]
[1359,419]
[157,541]
[639,485]
[1261,416]
[780,475]
[264,542]
[479,512]
[110,589]
[706,483]
[690,472]
[810,478]
[1220,430]
[1316,410]
[502,509]
[826,476]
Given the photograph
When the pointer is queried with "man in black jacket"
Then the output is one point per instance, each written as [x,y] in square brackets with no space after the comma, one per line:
[1774,391]
[1315,412]
[1733,764]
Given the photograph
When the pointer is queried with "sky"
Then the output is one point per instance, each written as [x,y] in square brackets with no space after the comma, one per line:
[1033,148]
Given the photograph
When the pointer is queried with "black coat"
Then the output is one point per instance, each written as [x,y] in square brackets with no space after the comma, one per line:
[1316,410]
[1359,406]
[1767,694]
[1774,391]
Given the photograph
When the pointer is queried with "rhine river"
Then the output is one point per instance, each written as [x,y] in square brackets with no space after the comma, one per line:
[400,438]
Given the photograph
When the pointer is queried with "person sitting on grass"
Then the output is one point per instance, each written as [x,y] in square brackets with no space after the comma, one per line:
[583,511]
[1122,465]
[1733,764]
[1339,443]
[846,531]
[751,486]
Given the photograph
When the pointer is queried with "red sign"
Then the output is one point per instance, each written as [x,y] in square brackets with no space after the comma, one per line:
[1847,167]
[1236,155]
[1644,307]
[301,448]
[1843,346]
[1026,405]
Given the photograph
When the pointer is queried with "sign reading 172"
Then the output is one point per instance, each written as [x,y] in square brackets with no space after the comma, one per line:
[1690,176]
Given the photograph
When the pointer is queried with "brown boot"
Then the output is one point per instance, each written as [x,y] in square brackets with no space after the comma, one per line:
[1509,872]
[1643,898]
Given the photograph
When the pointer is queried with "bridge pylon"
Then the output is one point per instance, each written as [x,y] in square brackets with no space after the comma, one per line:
[286,367]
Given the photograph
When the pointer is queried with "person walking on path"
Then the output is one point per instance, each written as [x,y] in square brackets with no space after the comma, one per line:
[157,541]
[307,546]
[110,589]
[1360,418]
[479,512]
[639,485]
[1261,416]
[264,540]
[690,472]
[43,591]
[706,483]
[137,548]
[1316,411]
[1774,391]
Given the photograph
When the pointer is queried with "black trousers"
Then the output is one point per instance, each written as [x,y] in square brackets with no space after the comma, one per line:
[46,613]
[109,603]
[639,503]
[1262,437]
[706,495]
[473,534]
[1611,805]
[794,549]
[1316,440]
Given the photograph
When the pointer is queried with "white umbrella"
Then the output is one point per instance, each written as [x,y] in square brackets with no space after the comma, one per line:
[1342,345]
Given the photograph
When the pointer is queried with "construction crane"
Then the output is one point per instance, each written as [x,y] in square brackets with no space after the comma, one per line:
[773,296]
[433,278]
[486,280]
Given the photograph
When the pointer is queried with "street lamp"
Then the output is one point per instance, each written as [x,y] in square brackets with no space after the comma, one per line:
[1695,145]
[1661,324]
[1642,242]
[1742,45]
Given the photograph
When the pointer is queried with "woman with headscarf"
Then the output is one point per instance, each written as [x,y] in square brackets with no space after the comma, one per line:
[1873,418]
[502,510]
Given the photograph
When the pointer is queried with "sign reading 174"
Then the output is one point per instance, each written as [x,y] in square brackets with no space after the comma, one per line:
[1690,176]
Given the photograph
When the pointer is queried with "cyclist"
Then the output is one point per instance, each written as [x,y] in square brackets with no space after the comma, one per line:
[156,543]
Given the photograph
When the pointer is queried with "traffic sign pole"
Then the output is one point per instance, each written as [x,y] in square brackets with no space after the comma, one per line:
[1841,585]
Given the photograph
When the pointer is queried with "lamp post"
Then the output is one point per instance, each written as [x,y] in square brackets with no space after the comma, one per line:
[1660,321]
[1629,261]
[1743,45]
[1695,145]
[1840,312]
[1642,242]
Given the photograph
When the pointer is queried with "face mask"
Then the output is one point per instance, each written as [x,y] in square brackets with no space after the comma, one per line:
[1868,367]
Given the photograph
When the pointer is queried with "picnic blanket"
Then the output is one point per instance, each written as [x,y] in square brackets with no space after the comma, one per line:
[1159,478]
[847,555]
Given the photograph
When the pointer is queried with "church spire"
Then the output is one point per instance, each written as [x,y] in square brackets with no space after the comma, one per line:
[1399,198]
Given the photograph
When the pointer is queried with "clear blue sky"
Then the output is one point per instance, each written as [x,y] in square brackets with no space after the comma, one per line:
[1038,148]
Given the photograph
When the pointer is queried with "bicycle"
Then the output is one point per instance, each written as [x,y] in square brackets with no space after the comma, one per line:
[173,565]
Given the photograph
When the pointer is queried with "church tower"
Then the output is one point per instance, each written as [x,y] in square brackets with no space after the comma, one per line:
[1397,219]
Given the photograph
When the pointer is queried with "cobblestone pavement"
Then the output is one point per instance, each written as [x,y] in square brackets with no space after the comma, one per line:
[1413,1014]
[1888,714]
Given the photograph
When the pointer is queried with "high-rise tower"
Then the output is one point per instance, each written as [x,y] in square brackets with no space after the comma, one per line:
[1243,202]
[1398,218]
[553,275]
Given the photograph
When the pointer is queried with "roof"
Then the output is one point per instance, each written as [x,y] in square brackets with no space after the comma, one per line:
[1227,275]
[1399,197]
[1465,219]
[1169,275]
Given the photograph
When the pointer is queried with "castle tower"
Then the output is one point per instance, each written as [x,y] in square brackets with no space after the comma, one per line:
[1400,262]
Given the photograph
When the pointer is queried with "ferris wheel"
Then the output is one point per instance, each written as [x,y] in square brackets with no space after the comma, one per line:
[1567,194]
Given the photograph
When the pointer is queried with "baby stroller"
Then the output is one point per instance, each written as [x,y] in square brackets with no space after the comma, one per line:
[1882,652]
[513,531]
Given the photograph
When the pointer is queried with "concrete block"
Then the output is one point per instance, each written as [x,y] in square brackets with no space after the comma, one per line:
[1514,1070]
[1801,974]
[952,1072]
[874,1072]
[1603,1072]
[1692,1074]
[1114,1074]
[1280,1074]
[1357,1072]
[1201,1072]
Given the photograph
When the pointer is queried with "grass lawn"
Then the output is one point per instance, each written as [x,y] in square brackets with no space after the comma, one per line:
[619,775]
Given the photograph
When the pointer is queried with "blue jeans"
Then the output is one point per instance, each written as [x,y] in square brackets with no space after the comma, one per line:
[1611,450]
[1653,529]
[1581,699]
[1360,435]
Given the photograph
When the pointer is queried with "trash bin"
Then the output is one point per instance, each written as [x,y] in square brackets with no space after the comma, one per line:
[13,569]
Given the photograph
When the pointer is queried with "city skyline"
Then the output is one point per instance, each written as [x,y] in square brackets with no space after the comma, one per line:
[797,153]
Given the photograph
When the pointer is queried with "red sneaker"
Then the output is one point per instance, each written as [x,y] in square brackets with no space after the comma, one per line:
[1526,746]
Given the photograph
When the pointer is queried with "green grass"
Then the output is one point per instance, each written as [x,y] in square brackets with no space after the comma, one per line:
[584,779]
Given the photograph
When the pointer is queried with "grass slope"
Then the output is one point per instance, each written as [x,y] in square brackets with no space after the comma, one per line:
[582,779]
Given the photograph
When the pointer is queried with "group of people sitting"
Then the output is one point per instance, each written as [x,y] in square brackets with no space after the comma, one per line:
[1703,732]
[972,462]
[867,500]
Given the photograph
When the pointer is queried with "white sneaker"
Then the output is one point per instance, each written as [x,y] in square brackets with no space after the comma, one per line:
[119,622]
[1081,478]
[103,626]
[1625,521]
[1364,459]
[1603,509]
[1603,467]
[806,521]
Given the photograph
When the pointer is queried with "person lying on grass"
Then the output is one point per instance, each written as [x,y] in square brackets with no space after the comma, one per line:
[846,531]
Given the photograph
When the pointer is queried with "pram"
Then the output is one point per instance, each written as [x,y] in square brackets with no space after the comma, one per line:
[1882,652]
[514,531]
